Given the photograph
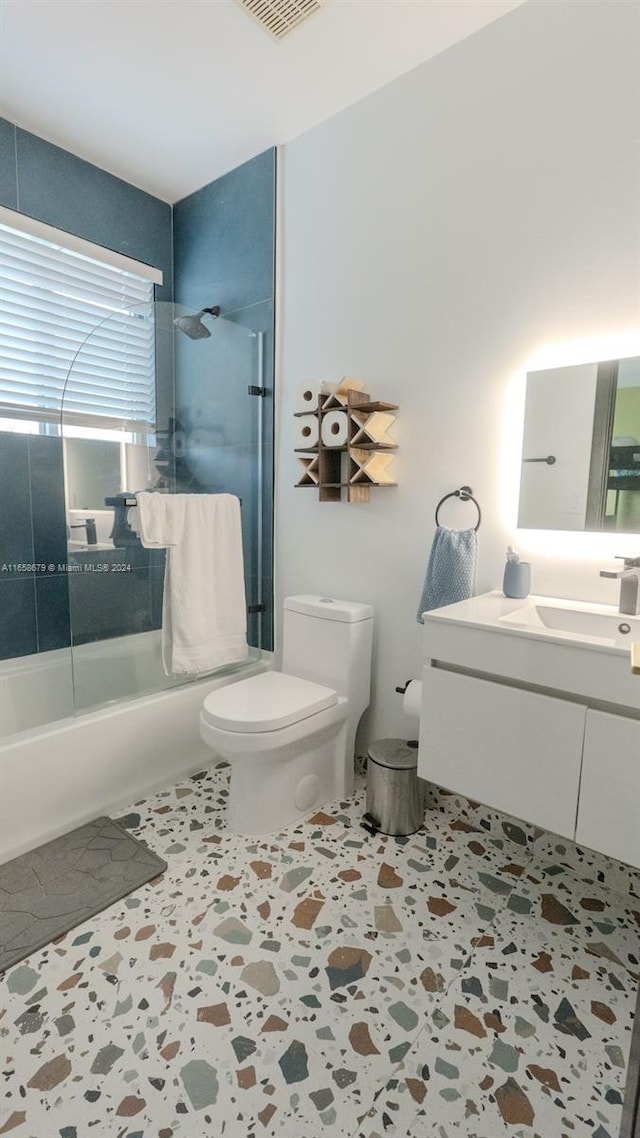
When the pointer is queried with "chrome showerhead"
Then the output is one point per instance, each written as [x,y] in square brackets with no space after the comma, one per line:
[193,327]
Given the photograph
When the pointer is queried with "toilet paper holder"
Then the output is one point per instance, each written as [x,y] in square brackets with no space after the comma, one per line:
[349,447]
[401,689]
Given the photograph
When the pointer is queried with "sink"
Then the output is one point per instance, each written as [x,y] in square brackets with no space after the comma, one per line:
[588,621]
[531,707]
[575,647]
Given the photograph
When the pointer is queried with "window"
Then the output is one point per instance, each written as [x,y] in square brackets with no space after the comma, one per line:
[63,302]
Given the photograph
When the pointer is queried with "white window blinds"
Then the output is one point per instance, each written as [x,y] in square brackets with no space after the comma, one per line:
[59,307]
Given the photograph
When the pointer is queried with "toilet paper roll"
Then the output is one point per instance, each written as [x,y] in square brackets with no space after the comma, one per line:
[307,431]
[307,400]
[412,698]
[335,428]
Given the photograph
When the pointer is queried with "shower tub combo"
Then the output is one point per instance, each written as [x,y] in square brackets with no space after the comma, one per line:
[57,775]
[88,729]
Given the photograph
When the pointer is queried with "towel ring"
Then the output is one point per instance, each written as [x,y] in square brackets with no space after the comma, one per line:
[465,494]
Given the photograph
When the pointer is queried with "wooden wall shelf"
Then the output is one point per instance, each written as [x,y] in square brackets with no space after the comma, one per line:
[360,462]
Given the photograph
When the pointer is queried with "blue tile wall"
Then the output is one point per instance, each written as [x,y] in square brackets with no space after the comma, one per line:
[47,502]
[224,239]
[224,243]
[18,609]
[224,253]
[108,604]
[52,612]
[8,175]
[63,190]
[16,533]
[43,181]
[32,532]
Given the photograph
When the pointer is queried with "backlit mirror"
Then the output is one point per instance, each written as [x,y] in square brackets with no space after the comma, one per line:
[581,448]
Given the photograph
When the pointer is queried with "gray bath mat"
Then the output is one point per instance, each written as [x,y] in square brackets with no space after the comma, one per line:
[55,887]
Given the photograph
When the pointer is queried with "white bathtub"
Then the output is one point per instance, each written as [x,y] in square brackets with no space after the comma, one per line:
[57,775]
[34,690]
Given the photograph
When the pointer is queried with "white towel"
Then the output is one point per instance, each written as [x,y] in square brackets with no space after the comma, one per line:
[204,615]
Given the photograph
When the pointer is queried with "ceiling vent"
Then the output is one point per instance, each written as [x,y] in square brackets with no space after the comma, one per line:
[279,17]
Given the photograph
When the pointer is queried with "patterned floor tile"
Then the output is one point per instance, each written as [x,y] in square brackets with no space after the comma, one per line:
[485,818]
[532,1039]
[590,917]
[279,986]
[557,857]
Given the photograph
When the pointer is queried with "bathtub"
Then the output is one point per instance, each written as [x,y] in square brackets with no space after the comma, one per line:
[62,764]
[35,690]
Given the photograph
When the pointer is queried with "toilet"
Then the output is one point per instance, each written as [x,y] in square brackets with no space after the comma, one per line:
[289,736]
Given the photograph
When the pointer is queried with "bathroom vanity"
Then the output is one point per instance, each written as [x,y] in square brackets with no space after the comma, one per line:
[530,706]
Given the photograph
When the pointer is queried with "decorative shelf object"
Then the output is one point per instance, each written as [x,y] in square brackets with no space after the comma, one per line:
[310,472]
[340,396]
[347,443]
[372,427]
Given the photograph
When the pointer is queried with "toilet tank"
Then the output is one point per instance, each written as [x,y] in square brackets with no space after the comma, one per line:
[329,641]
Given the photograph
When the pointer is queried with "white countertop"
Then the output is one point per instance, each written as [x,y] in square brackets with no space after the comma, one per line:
[493,611]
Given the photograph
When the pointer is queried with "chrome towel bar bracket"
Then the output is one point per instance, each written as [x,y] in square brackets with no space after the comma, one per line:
[465,494]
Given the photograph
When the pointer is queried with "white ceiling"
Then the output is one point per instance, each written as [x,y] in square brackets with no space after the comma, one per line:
[169,94]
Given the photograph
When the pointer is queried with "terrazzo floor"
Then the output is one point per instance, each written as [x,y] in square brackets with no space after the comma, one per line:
[475,980]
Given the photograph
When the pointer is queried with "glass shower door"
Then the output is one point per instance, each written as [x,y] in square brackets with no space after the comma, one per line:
[203,436]
[220,431]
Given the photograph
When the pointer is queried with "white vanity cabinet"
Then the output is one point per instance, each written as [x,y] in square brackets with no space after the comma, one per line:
[509,748]
[609,803]
[529,706]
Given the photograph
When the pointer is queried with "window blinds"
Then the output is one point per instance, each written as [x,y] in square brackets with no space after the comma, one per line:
[59,307]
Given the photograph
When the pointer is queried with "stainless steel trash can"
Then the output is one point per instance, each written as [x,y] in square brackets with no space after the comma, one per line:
[395,794]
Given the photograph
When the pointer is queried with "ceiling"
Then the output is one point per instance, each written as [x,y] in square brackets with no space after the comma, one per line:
[170,94]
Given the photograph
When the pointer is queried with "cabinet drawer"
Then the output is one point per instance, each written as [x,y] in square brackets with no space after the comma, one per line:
[516,750]
[609,809]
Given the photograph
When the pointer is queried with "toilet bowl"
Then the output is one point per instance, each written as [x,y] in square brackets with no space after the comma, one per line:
[289,736]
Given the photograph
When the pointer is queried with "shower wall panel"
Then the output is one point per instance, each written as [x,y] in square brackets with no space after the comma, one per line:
[224,253]
[33,585]
[43,181]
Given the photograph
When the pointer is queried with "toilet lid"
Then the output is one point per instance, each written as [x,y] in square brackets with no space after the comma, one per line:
[266,702]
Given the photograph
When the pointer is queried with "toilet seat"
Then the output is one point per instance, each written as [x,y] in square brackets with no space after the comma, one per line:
[267,702]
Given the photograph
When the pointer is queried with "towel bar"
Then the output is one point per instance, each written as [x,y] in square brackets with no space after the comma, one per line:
[465,494]
[130,502]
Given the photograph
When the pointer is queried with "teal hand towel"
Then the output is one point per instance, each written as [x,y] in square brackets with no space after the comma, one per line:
[452,569]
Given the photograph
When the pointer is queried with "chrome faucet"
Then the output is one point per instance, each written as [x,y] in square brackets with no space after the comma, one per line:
[629,577]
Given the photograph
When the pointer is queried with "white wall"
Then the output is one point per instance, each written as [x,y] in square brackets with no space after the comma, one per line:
[439,238]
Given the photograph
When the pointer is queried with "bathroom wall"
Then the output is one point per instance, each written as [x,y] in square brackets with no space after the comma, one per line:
[224,248]
[224,241]
[45,182]
[55,186]
[34,606]
[437,238]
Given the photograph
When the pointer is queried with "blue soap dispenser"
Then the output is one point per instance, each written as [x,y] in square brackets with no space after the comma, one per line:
[517,576]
